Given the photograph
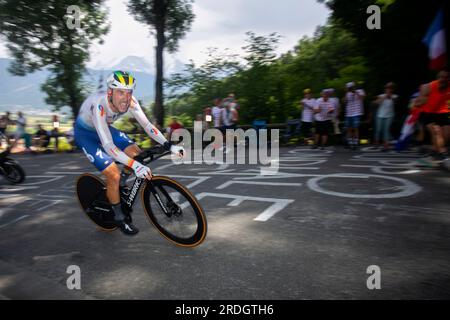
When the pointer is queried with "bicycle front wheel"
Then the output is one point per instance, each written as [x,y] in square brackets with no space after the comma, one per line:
[13,171]
[174,211]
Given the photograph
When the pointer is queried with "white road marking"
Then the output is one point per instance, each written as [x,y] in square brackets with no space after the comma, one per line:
[222,167]
[53,202]
[50,179]
[381,206]
[228,183]
[71,172]
[14,221]
[407,188]
[278,204]
[302,162]
[16,188]
[379,169]
[164,166]
[193,184]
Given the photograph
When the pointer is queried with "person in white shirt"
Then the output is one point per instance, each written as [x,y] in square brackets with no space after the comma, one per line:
[217,113]
[21,124]
[308,104]
[323,113]
[354,109]
[336,112]
[385,115]
[229,116]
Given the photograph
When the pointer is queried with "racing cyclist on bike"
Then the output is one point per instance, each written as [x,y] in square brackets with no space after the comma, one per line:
[104,144]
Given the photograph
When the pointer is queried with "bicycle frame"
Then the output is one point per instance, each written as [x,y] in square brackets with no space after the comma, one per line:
[129,201]
[138,182]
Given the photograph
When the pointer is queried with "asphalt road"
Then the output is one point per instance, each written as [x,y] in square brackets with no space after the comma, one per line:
[311,231]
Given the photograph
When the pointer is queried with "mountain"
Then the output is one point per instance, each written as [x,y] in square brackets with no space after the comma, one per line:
[139,64]
[24,93]
[134,64]
[19,93]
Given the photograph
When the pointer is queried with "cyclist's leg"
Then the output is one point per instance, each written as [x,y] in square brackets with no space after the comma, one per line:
[124,143]
[90,143]
[112,175]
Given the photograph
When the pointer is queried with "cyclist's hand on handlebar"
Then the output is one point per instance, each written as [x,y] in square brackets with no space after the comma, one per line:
[177,150]
[141,171]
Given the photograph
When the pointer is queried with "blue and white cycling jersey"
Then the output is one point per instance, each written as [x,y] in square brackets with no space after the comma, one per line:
[102,143]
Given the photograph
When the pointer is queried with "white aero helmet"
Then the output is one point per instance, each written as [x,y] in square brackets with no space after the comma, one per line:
[121,80]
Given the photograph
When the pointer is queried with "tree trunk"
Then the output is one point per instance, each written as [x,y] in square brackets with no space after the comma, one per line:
[160,13]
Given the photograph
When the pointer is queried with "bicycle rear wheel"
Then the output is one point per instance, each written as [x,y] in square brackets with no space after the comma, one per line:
[91,192]
[174,211]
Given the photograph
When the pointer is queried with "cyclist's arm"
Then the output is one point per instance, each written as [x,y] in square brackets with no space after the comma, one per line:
[149,128]
[101,126]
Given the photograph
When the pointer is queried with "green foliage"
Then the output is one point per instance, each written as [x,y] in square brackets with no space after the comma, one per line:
[170,20]
[173,16]
[395,52]
[270,87]
[38,37]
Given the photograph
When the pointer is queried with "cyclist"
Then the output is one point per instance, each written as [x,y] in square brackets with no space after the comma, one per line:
[103,144]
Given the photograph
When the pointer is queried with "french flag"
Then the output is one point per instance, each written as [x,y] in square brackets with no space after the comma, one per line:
[408,127]
[435,41]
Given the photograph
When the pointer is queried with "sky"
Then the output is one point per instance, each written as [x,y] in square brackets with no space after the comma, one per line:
[220,24]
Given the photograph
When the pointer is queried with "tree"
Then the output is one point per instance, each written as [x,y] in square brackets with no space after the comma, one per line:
[258,81]
[269,87]
[395,52]
[170,19]
[40,35]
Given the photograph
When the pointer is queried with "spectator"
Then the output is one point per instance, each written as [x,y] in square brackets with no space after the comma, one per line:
[308,103]
[4,122]
[229,119]
[434,101]
[229,116]
[385,115]
[354,109]
[410,126]
[420,137]
[217,113]
[323,113]
[71,138]
[42,136]
[174,125]
[55,131]
[20,131]
[233,101]
[336,112]
[207,117]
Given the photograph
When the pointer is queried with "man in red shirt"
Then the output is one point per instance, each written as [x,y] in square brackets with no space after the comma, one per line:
[174,125]
[434,100]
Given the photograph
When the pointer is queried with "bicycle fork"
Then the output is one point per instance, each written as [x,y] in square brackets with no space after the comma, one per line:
[170,208]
